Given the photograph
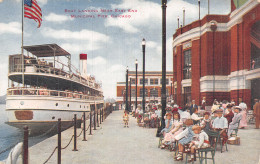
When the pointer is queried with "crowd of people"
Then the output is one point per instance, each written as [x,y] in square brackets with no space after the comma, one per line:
[191,124]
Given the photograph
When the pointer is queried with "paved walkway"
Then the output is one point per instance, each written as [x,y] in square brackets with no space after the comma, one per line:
[114,144]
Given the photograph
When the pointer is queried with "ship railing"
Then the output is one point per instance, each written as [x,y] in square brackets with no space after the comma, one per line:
[33,66]
[50,93]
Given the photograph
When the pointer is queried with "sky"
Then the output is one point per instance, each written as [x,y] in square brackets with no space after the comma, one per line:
[111,42]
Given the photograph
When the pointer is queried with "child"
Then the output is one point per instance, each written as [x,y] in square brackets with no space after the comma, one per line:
[126,119]
[176,129]
[206,123]
[184,138]
[201,142]
[168,124]
[195,116]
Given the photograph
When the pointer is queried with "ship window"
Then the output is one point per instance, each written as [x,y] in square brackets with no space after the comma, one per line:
[56,104]
[80,106]
[68,105]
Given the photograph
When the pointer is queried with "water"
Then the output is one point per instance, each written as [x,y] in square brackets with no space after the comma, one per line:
[10,135]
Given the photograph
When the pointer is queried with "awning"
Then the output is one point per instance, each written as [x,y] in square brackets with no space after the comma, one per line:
[46,50]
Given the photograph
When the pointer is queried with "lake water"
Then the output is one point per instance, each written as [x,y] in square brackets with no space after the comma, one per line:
[10,135]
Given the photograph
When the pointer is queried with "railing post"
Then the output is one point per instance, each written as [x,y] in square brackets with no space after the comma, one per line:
[95,119]
[59,141]
[90,122]
[25,145]
[84,126]
[75,133]
[100,115]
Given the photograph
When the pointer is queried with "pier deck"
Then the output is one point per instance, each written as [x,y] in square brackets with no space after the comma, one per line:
[111,143]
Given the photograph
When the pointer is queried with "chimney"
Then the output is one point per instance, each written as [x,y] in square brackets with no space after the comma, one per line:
[83,65]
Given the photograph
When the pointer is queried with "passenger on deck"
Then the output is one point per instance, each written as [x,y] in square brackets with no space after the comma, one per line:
[41,91]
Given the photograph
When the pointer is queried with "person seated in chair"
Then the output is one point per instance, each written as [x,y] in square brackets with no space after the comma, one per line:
[196,119]
[235,121]
[184,138]
[206,123]
[184,114]
[176,129]
[168,124]
[220,124]
[202,141]
[230,114]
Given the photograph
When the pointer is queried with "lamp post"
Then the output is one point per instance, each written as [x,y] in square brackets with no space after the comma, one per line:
[130,105]
[199,8]
[199,48]
[136,66]
[163,91]
[126,97]
[143,46]
[213,28]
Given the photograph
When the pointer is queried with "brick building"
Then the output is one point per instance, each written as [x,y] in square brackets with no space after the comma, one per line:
[218,57]
[152,87]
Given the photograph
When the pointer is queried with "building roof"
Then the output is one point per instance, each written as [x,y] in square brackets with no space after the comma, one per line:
[46,50]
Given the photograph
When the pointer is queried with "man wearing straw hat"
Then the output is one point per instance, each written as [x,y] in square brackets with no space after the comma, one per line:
[235,121]
[220,124]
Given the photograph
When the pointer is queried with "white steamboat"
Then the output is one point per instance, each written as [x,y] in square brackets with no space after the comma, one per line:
[42,89]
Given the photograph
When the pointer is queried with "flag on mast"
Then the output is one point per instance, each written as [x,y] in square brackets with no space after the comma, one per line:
[33,11]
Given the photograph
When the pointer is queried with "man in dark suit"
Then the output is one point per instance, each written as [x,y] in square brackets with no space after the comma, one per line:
[193,105]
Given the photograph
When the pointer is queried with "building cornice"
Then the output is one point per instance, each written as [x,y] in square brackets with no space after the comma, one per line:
[235,17]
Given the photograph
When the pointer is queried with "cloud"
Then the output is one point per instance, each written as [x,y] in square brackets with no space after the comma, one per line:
[151,44]
[86,35]
[149,14]
[145,13]
[77,41]
[10,28]
[52,17]
[97,61]
[42,2]
[77,48]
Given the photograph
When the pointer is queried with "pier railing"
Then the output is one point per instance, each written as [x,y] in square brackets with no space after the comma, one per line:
[99,114]
[50,93]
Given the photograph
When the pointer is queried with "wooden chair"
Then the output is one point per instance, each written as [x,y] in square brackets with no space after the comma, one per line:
[236,130]
[160,140]
[214,138]
[221,145]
